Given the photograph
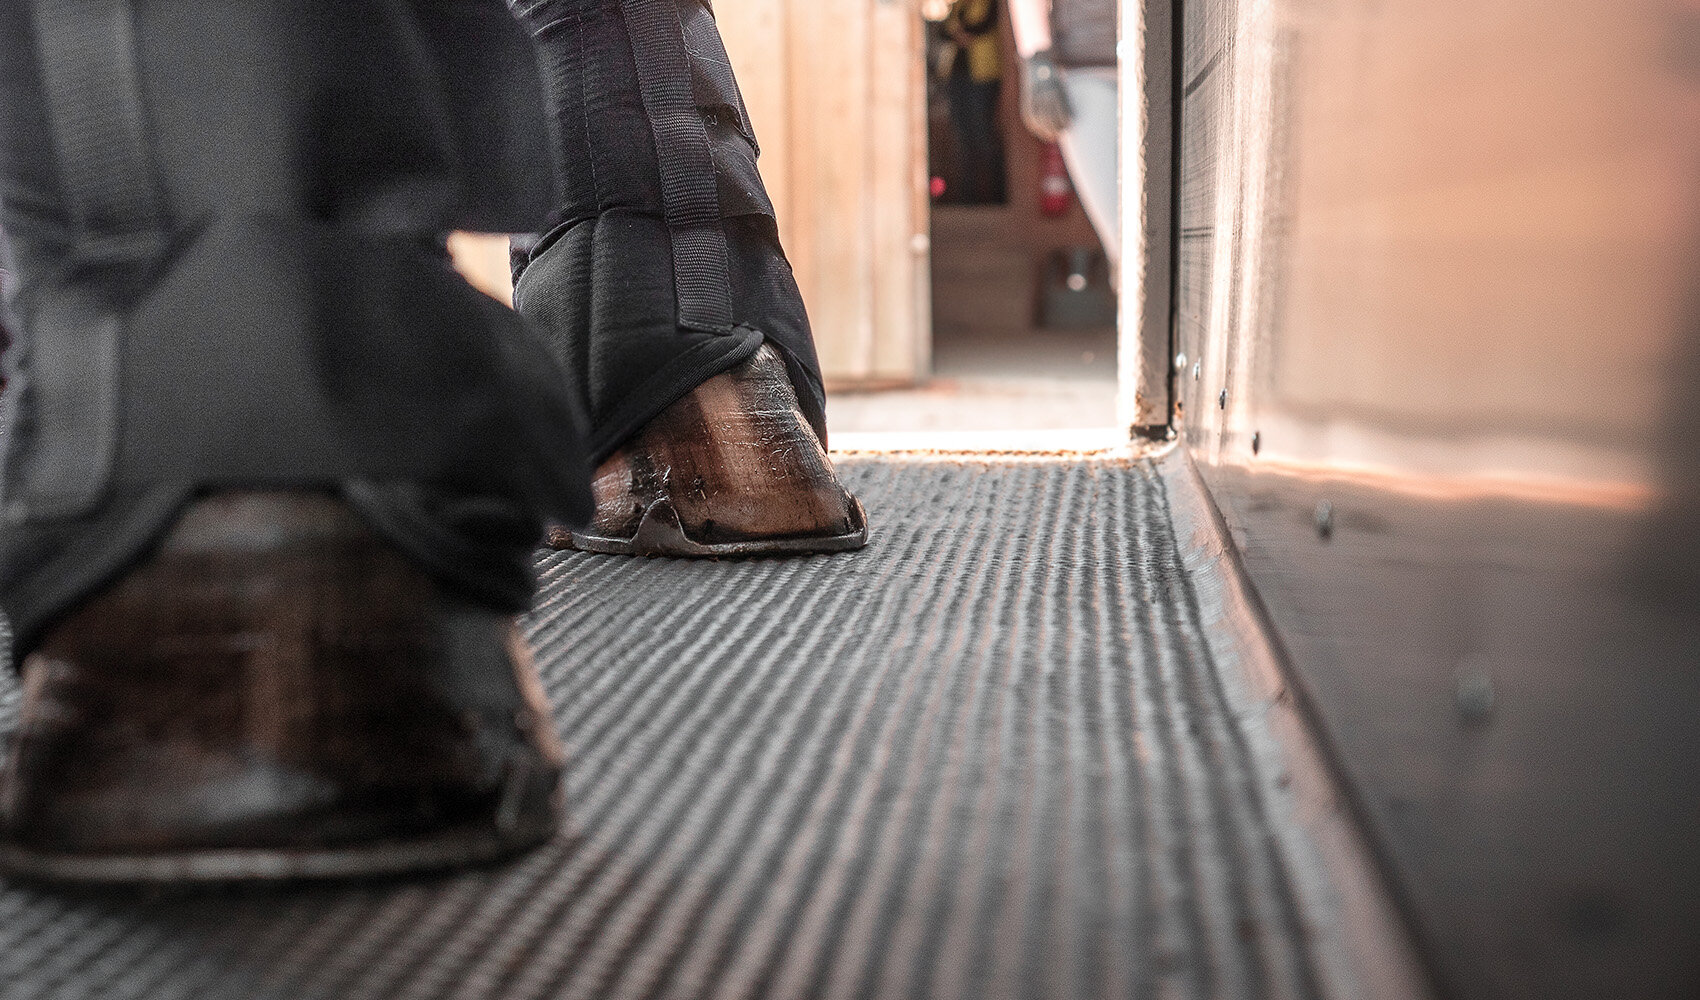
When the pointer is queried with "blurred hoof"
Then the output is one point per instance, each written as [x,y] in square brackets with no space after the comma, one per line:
[275,694]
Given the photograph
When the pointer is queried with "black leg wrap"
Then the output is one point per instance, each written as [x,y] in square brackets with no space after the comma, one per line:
[664,268]
[224,218]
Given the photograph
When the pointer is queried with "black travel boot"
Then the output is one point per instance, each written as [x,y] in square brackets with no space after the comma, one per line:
[665,293]
[273,473]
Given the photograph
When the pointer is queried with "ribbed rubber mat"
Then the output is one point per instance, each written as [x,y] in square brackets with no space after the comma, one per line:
[990,756]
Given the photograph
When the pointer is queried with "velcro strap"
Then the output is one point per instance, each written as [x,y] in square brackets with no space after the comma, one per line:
[689,187]
[69,392]
[93,89]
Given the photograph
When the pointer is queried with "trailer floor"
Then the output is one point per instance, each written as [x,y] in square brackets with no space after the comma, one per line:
[993,755]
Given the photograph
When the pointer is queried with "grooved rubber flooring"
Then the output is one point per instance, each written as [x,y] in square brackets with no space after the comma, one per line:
[990,756]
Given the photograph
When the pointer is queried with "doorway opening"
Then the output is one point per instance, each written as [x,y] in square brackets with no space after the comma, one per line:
[1024,309]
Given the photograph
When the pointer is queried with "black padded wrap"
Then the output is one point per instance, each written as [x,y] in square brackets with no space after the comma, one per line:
[493,95]
[226,223]
[663,267]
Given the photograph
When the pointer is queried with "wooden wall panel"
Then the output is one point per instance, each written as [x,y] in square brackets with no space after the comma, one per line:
[898,189]
[837,93]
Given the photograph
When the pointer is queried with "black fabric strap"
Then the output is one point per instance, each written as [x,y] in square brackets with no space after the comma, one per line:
[115,211]
[690,190]
[93,88]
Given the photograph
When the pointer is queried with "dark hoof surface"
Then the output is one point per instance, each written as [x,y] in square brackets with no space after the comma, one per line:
[275,694]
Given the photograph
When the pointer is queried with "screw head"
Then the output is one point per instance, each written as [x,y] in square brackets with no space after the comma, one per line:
[1256,442]
[1180,362]
[1197,370]
[1222,400]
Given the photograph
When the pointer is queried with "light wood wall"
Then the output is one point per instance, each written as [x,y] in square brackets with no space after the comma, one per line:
[837,91]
